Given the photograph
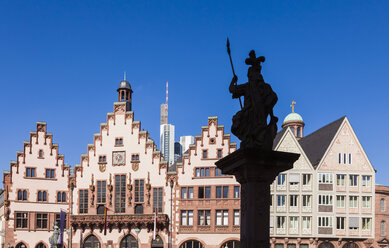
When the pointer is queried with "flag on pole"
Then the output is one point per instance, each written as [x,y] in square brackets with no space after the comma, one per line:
[155,223]
[62,222]
[105,220]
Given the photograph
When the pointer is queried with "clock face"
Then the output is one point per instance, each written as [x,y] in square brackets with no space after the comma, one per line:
[118,158]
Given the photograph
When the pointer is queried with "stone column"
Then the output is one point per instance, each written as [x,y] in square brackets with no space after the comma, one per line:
[255,170]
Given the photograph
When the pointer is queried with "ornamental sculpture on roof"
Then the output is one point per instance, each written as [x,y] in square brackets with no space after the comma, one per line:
[255,124]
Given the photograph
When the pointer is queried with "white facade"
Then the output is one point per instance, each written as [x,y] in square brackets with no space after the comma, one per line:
[167,142]
[185,142]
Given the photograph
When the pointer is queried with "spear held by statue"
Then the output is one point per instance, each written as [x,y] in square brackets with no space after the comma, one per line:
[232,67]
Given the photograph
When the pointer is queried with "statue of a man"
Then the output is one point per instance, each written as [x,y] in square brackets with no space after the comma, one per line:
[250,124]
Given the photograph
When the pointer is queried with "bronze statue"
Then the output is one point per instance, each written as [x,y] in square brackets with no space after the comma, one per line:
[251,124]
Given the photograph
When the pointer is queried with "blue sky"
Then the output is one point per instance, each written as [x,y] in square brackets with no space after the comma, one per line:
[61,62]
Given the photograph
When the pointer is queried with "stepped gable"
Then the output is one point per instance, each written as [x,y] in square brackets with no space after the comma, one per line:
[123,117]
[317,143]
[35,138]
[278,137]
[212,134]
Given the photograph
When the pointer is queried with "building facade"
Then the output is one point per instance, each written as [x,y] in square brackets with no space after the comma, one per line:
[327,200]
[382,216]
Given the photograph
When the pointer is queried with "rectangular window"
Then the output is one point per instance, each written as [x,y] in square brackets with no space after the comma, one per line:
[340,180]
[353,223]
[187,217]
[157,199]
[325,178]
[366,201]
[366,181]
[207,192]
[344,158]
[340,223]
[236,192]
[30,172]
[325,222]
[218,191]
[281,200]
[21,220]
[293,222]
[120,193]
[219,153]
[207,172]
[271,200]
[204,217]
[353,180]
[201,193]
[366,224]
[101,191]
[222,217]
[281,178]
[190,192]
[306,201]
[293,200]
[236,217]
[325,199]
[306,222]
[340,202]
[83,207]
[307,179]
[49,173]
[281,222]
[184,194]
[197,172]
[41,221]
[139,190]
[217,172]
[205,153]
[225,191]
[353,201]
[340,158]
[349,158]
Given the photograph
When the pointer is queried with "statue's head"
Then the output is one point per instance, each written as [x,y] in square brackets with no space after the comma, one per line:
[252,54]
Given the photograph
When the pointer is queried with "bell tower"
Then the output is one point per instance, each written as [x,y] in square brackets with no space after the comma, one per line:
[125,93]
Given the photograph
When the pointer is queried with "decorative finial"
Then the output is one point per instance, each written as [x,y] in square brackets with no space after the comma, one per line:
[292,105]
[124,75]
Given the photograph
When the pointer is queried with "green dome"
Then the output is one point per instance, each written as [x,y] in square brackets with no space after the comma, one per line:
[293,117]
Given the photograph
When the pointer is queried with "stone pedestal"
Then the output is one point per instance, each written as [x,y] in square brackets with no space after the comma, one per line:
[255,170]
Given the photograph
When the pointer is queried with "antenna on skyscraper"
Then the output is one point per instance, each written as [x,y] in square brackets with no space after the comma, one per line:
[167,94]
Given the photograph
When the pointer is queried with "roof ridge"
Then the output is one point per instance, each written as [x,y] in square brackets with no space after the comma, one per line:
[323,127]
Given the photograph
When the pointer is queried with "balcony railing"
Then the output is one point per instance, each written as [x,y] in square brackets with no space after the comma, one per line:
[120,221]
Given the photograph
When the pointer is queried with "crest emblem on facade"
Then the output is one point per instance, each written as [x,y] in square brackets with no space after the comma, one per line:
[135,166]
[102,167]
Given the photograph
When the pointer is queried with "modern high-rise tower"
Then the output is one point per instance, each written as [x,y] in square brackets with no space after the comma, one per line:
[166,133]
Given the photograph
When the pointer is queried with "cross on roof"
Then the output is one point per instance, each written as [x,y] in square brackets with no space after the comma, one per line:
[292,105]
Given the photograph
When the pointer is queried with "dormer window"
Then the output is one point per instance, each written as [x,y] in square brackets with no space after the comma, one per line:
[118,141]
[40,153]
[102,159]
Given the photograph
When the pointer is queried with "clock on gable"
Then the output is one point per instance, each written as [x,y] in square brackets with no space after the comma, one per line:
[118,158]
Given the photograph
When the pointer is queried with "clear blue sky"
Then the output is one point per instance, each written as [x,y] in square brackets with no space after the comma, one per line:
[61,62]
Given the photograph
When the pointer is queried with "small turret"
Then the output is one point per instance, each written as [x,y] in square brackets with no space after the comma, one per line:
[125,93]
[295,122]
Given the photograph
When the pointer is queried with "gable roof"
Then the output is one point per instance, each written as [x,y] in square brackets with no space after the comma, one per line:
[278,137]
[316,144]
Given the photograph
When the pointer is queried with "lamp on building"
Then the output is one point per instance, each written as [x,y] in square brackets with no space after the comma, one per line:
[137,231]
[171,213]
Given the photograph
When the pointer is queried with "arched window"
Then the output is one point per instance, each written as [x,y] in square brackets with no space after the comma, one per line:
[21,245]
[44,196]
[383,227]
[326,245]
[63,196]
[40,154]
[24,195]
[231,244]
[382,207]
[91,242]
[59,197]
[157,242]
[20,195]
[39,195]
[192,244]
[128,242]
[350,245]
[40,245]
